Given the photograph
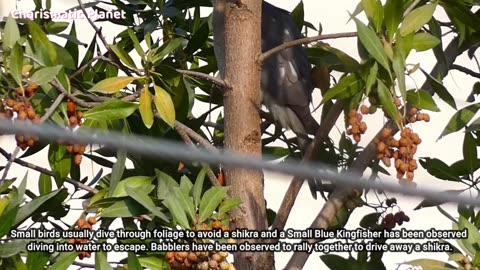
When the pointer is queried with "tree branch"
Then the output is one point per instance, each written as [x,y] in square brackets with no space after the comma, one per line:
[301,41]
[220,83]
[466,71]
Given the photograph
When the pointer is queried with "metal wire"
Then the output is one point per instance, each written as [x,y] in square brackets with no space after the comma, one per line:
[169,150]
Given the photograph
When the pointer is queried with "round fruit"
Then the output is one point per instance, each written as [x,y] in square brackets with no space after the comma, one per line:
[364,109]
[92,220]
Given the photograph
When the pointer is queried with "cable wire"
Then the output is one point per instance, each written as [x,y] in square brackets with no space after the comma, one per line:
[169,150]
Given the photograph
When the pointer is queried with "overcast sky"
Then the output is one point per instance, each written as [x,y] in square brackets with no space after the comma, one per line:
[334,19]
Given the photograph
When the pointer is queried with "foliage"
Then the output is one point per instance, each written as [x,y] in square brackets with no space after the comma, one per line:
[138,85]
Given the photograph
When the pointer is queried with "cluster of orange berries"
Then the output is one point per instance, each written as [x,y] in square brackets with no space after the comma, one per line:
[414,115]
[83,224]
[357,127]
[75,119]
[24,110]
[402,151]
[183,260]
[390,220]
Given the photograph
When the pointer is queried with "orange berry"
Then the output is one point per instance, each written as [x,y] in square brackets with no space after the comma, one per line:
[410,176]
[359,117]
[352,113]
[217,224]
[398,163]
[412,119]
[19,91]
[76,148]
[32,87]
[386,132]
[30,142]
[72,120]
[380,156]
[77,159]
[92,220]
[355,129]
[397,102]
[349,131]
[37,119]
[31,113]
[81,222]
[22,115]
[363,127]
[381,147]
[404,167]
[356,138]
[403,142]
[364,109]
[426,118]
[412,111]
[352,121]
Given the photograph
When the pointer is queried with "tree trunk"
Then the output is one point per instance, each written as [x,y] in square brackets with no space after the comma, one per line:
[242,122]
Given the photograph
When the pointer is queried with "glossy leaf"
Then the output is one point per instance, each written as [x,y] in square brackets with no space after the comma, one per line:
[439,169]
[386,100]
[45,75]
[440,90]
[164,104]
[422,100]
[393,10]
[11,33]
[460,119]
[146,107]
[145,201]
[112,85]
[101,262]
[123,56]
[424,41]
[16,63]
[198,186]
[111,110]
[470,151]
[416,19]
[176,210]
[64,261]
[372,44]
[210,201]
[143,183]
[345,88]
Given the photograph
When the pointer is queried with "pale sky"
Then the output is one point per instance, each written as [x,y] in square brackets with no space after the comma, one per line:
[334,19]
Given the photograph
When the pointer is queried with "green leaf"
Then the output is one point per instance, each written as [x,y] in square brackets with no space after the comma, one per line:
[439,169]
[9,249]
[37,260]
[372,44]
[228,205]
[112,85]
[64,261]
[136,43]
[399,70]
[198,186]
[145,107]
[165,184]
[430,264]
[210,201]
[416,19]
[145,201]
[424,41]
[117,173]
[345,88]
[393,16]
[111,110]
[374,11]
[41,44]
[16,63]
[10,33]
[185,185]
[460,119]
[164,104]
[440,90]
[371,79]
[422,100]
[60,162]
[133,262]
[125,208]
[473,240]
[186,202]
[470,151]
[154,263]
[166,48]
[123,55]
[143,183]
[30,207]
[101,262]
[178,213]
[45,75]
[386,100]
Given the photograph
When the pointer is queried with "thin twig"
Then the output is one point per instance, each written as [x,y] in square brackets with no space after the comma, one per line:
[194,135]
[220,83]
[46,171]
[188,141]
[52,108]
[301,41]
[466,71]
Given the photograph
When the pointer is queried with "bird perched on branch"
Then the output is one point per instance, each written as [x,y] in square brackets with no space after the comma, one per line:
[286,83]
